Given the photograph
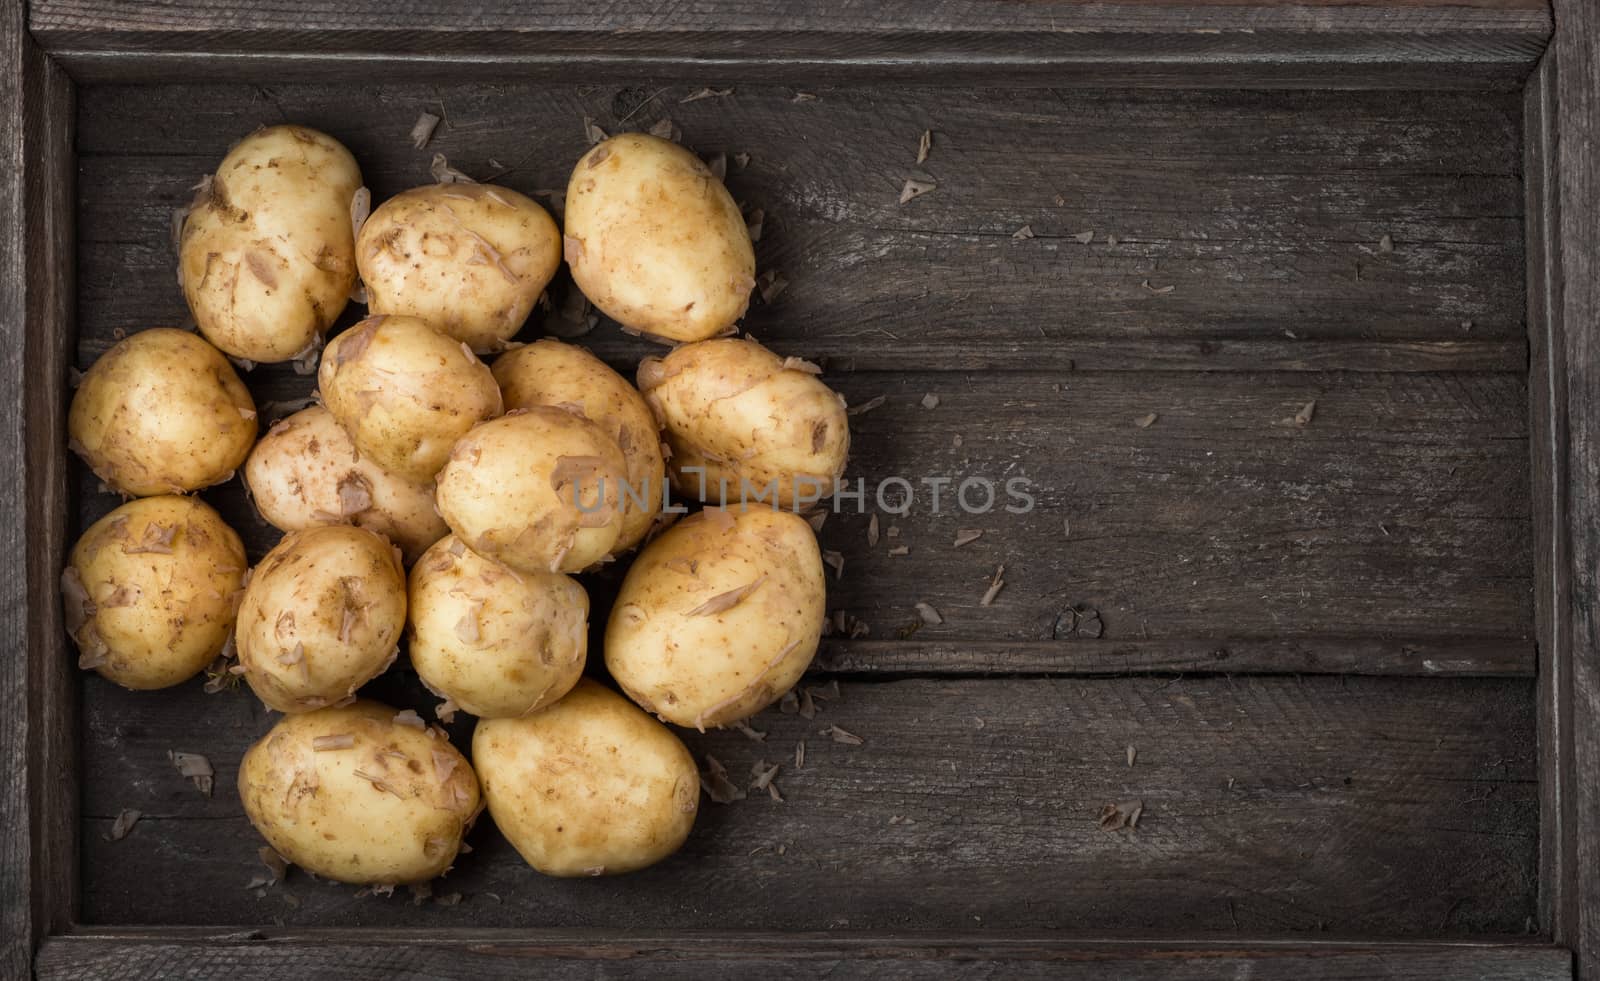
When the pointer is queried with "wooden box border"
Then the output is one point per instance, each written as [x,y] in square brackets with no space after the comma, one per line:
[48,49]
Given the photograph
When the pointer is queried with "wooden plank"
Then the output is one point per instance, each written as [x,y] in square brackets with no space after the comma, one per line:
[1230,230]
[1389,807]
[1420,43]
[1548,438]
[1397,516]
[1425,657]
[38,866]
[1575,291]
[492,955]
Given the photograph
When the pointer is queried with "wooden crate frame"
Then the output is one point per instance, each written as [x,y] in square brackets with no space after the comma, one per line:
[47,49]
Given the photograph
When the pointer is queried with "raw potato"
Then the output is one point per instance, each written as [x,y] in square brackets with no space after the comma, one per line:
[354,795]
[537,489]
[151,589]
[655,241]
[306,472]
[588,786]
[162,412]
[470,259]
[548,372]
[321,617]
[719,616]
[498,643]
[756,423]
[267,257]
[405,392]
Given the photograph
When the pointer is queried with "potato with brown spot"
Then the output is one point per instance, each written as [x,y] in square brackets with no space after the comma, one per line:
[356,795]
[150,591]
[405,392]
[588,786]
[718,616]
[321,617]
[162,412]
[306,472]
[497,642]
[548,372]
[470,259]
[538,489]
[267,255]
[655,240]
[744,424]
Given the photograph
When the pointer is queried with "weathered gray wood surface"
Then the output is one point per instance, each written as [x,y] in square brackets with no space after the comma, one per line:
[1249,228]
[1328,43]
[1390,536]
[1400,512]
[1548,436]
[1271,805]
[1573,290]
[38,723]
[494,955]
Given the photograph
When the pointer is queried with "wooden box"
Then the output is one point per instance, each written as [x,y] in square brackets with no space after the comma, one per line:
[1349,663]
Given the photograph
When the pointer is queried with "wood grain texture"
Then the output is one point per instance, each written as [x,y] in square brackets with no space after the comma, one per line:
[1389,536]
[1399,515]
[1230,230]
[1387,807]
[1420,43]
[38,721]
[1321,654]
[494,955]
[1576,293]
[1552,568]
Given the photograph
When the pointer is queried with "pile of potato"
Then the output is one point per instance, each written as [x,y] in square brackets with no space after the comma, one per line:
[433,497]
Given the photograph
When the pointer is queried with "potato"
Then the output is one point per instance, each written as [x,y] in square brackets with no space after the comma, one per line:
[306,472]
[655,241]
[470,259]
[321,617]
[267,255]
[537,489]
[162,412]
[588,786]
[360,794]
[405,392]
[150,591]
[754,424]
[718,616]
[496,642]
[548,372]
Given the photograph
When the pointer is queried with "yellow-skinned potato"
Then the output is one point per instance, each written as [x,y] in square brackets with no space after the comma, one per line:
[548,372]
[405,392]
[162,412]
[151,589]
[742,414]
[360,794]
[588,786]
[306,472]
[718,616]
[321,617]
[498,643]
[655,241]
[470,259]
[267,256]
[537,489]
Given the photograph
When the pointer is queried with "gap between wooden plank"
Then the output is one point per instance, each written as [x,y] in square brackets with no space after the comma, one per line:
[1421,656]
[494,954]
